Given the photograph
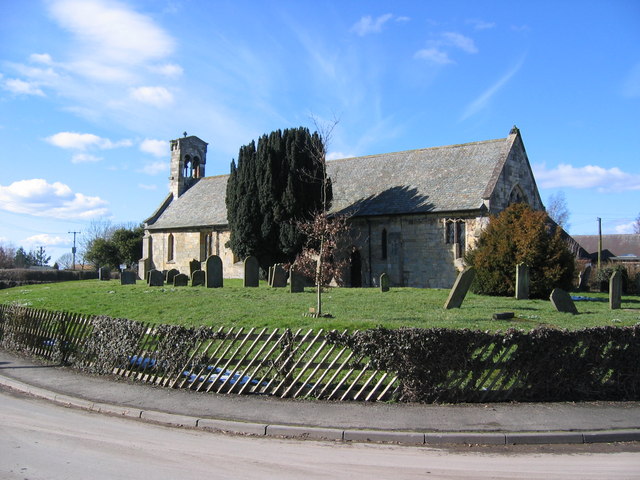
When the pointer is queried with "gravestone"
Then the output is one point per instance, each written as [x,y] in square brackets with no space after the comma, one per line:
[384,282]
[193,266]
[562,302]
[156,279]
[522,281]
[270,276]
[181,280]
[615,291]
[296,280]
[460,288]
[251,272]
[279,278]
[104,273]
[213,269]
[170,275]
[198,278]
[128,278]
[583,279]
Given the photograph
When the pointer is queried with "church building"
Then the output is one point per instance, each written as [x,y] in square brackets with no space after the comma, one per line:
[414,214]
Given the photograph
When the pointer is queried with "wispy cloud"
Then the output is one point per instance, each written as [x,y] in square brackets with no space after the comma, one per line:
[21,87]
[85,158]
[159,148]
[483,100]
[625,227]
[631,84]
[367,24]
[155,96]
[39,198]
[144,186]
[155,168]
[590,176]
[433,55]
[479,24]
[438,49]
[46,240]
[84,141]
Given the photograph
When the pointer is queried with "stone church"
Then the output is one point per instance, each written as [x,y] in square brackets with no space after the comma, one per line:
[413,213]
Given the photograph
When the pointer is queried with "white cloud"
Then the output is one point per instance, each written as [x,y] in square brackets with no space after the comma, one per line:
[438,49]
[44,58]
[156,96]
[39,198]
[590,176]
[21,87]
[155,168]
[458,40]
[483,100]
[338,155]
[112,31]
[83,141]
[85,158]
[480,24]
[434,55]
[367,24]
[147,187]
[44,239]
[625,227]
[168,70]
[159,148]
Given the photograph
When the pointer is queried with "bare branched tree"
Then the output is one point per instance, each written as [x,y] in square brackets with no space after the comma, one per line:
[319,257]
[558,211]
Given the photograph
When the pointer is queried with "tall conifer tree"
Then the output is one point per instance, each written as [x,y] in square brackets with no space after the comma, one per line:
[274,185]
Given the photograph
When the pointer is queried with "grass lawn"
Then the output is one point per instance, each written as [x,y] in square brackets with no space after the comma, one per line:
[351,308]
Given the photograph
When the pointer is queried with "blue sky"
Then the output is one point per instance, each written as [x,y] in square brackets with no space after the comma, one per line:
[91,91]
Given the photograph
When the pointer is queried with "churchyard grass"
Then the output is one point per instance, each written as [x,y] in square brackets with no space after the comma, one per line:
[351,308]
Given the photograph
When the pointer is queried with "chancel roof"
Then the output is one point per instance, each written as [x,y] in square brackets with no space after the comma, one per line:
[439,179]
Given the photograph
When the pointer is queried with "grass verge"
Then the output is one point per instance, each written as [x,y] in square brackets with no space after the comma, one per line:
[352,308]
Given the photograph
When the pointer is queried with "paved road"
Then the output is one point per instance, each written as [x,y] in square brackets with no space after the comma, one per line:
[41,440]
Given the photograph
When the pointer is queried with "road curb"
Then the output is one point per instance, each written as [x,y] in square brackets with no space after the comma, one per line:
[324,433]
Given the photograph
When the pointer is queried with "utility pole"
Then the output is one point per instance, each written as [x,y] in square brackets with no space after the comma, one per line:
[599,241]
[73,250]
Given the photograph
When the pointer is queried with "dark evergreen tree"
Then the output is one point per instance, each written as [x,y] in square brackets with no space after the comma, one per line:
[275,184]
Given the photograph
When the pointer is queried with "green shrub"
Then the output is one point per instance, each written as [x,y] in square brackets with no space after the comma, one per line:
[521,235]
[604,275]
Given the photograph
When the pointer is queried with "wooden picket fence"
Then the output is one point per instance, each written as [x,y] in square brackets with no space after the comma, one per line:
[275,362]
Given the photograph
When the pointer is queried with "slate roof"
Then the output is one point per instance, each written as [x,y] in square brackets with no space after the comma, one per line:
[618,244]
[202,205]
[438,179]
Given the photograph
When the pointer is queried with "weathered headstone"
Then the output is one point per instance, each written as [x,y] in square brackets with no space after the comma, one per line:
[460,288]
[522,281]
[198,278]
[279,278]
[156,278]
[193,266]
[213,269]
[296,280]
[128,278]
[104,273]
[583,279]
[170,276]
[270,276]
[384,282]
[562,302]
[503,316]
[181,280]
[251,272]
[615,290]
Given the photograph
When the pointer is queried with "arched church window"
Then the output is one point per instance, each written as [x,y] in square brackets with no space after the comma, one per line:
[188,167]
[170,248]
[517,195]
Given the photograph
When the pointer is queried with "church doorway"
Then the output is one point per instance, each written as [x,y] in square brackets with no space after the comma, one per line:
[356,269]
